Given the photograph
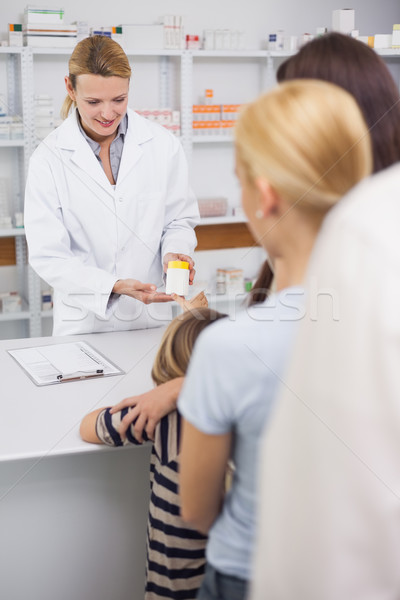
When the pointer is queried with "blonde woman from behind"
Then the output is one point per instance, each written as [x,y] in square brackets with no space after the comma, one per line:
[299,149]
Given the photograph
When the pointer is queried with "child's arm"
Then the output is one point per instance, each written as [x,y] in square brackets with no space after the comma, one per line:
[148,409]
[102,427]
[87,429]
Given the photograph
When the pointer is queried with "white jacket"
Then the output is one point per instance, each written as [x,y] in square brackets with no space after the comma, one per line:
[329,508]
[83,234]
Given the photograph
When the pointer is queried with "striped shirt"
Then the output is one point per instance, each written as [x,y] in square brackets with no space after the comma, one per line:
[175,551]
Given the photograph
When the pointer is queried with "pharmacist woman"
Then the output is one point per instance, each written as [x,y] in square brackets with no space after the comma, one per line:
[107,202]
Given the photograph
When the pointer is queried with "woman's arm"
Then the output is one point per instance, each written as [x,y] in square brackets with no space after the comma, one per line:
[203,464]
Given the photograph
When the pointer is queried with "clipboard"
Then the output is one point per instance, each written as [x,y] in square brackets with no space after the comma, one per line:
[62,363]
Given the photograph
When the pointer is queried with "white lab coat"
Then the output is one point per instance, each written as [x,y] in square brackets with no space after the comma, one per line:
[83,234]
[329,508]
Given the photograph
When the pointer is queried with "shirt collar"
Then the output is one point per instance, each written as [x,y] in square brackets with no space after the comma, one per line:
[95,146]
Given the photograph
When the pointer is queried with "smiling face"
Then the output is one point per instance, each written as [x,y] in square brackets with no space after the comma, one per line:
[101,102]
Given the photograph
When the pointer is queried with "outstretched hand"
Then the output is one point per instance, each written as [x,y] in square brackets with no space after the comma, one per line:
[144,292]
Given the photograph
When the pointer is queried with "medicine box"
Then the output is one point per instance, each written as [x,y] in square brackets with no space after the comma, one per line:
[230,281]
[15,37]
[396,36]
[43,14]
[343,20]
[212,207]
[383,40]
[10,302]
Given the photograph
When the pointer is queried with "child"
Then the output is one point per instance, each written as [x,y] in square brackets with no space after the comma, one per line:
[175,551]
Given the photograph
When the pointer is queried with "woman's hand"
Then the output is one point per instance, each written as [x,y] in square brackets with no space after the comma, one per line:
[148,408]
[144,292]
[171,256]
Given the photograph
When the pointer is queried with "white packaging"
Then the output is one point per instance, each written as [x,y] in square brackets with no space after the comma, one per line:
[43,14]
[226,39]
[17,131]
[291,43]
[10,302]
[4,207]
[280,39]
[396,36]
[3,105]
[15,38]
[208,39]
[383,40]
[177,278]
[233,280]
[19,220]
[47,299]
[343,20]
[4,131]
[218,39]
[143,37]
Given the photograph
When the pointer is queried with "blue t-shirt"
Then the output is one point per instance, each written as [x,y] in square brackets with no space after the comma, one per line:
[232,381]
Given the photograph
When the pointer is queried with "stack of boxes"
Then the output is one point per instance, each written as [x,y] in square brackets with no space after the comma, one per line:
[174,32]
[170,119]
[45,27]
[223,39]
[5,216]
[113,32]
[11,126]
[44,116]
[211,119]
[10,302]
[229,281]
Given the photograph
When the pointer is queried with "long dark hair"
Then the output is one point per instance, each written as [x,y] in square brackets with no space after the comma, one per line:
[358,69]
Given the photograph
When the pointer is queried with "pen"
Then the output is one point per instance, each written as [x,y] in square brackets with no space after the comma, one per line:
[79,375]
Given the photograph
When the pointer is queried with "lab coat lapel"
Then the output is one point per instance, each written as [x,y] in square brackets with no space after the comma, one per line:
[80,158]
[137,134]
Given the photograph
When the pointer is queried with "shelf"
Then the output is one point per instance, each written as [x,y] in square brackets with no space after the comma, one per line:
[213,139]
[388,52]
[129,52]
[14,232]
[23,315]
[11,49]
[221,220]
[229,53]
[12,143]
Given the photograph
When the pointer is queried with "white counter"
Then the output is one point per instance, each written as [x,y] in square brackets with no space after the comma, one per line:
[72,515]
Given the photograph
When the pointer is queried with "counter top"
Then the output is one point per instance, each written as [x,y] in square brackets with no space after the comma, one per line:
[37,422]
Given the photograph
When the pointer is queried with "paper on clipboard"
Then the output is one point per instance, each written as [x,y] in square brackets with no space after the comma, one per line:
[58,363]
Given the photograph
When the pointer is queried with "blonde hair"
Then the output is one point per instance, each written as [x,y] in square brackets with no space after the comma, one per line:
[176,346]
[96,55]
[308,138]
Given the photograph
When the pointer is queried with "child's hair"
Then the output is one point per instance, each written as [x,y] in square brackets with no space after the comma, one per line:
[96,55]
[308,138]
[176,346]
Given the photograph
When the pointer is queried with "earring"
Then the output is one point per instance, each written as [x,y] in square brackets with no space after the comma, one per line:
[259,214]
